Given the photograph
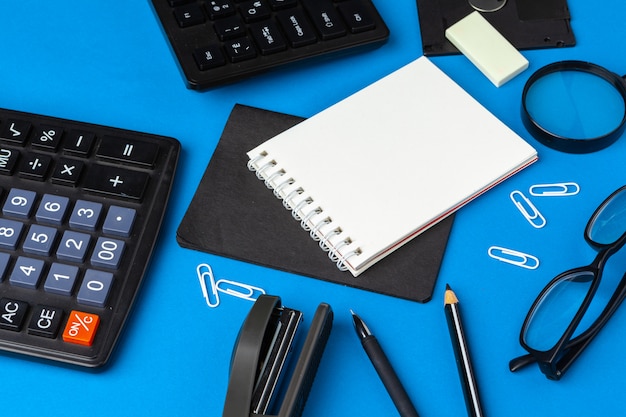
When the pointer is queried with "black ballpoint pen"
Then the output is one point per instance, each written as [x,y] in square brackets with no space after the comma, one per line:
[461,354]
[384,369]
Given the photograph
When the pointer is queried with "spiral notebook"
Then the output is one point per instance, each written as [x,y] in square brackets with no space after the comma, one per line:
[233,215]
[375,170]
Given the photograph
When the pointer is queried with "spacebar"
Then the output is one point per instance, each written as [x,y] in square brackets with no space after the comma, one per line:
[116,181]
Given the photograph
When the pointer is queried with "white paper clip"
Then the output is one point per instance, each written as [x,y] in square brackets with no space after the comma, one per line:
[559,189]
[234,288]
[528,209]
[513,257]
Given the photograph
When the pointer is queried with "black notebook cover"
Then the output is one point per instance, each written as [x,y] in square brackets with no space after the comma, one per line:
[233,214]
[526,24]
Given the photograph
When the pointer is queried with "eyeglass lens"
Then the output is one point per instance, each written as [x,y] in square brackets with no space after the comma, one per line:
[556,310]
[575,104]
[609,223]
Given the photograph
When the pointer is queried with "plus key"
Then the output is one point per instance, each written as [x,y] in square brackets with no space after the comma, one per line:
[116,181]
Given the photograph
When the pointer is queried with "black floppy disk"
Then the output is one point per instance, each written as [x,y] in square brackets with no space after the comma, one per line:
[259,366]
[526,24]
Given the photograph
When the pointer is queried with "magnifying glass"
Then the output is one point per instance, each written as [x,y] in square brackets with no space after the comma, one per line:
[575,106]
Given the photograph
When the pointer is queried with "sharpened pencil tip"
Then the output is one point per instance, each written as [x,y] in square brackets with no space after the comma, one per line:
[449,296]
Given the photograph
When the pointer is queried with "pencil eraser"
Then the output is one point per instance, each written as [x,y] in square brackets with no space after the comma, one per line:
[486,48]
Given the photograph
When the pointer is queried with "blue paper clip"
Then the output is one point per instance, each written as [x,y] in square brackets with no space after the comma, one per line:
[528,209]
[513,257]
[234,288]
[559,189]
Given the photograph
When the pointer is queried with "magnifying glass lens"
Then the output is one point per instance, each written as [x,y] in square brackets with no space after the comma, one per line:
[575,104]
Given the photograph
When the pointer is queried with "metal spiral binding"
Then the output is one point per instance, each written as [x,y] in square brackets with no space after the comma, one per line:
[273,181]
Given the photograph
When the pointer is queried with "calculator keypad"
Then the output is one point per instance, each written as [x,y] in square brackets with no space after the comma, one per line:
[81,206]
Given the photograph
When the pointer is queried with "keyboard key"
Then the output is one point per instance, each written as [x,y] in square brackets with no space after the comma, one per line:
[254,10]
[240,50]
[107,253]
[209,57]
[85,215]
[95,288]
[81,328]
[47,137]
[325,19]
[67,172]
[116,181]
[61,279]
[52,209]
[268,38]
[129,151]
[297,28]
[8,160]
[282,4]
[356,16]
[26,272]
[73,246]
[19,203]
[10,232]
[35,166]
[39,240]
[219,8]
[229,28]
[12,314]
[189,15]
[119,221]
[78,142]
[16,131]
[45,321]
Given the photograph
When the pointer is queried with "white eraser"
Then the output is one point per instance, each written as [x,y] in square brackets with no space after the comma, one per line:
[479,41]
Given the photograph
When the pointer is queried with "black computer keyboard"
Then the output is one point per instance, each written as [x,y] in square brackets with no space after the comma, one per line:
[81,208]
[221,41]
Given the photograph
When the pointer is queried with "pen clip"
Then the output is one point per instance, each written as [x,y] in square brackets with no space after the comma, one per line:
[513,257]
[528,209]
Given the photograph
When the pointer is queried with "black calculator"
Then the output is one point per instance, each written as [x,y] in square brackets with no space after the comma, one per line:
[81,206]
[222,41]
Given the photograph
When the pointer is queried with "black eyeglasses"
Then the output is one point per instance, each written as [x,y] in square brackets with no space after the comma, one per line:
[560,323]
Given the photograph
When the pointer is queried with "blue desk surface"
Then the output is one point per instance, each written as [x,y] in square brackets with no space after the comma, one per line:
[110,64]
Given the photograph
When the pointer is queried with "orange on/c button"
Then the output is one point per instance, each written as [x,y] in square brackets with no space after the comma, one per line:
[81,328]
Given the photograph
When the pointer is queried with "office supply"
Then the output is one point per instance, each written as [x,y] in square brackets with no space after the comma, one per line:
[81,208]
[562,321]
[383,368]
[486,48]
[513,257]
[526,24]
[246,222]
[373,171]
[559,189]
[260,360]
[224,286]
[575,106]
[219,42]
[528,209]
[462,354]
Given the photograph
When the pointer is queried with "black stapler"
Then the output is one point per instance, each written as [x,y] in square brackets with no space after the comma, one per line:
[260,360]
